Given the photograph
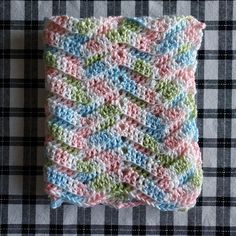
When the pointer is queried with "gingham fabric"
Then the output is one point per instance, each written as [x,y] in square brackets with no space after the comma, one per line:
[25,209]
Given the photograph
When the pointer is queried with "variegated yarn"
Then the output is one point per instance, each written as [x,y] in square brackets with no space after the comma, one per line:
[121,111]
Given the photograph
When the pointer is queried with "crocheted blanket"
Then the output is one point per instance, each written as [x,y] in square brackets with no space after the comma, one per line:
[121,111]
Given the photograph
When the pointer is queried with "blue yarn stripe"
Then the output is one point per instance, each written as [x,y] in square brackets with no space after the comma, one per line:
[170,42]
[106,140]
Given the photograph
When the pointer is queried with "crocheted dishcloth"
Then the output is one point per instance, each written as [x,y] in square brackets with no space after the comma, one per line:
[121,111]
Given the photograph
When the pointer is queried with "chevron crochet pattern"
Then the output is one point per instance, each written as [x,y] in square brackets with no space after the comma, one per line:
[121,111]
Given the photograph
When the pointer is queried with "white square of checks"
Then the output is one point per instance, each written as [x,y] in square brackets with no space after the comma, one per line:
[233,124]
[44,9]
[15,213]
[17,10]
[212,10]
[128,8]
[183,8]
[233,189]
[96,213]
[209,187]
[209,156]
[125,216]
[210,128]
[233,216]
[180,218]
[234,39]
[101,8]
[42,214]
[208,215]
[210,69]
[155,8]
[234,70]
[211,99]
[73,8]
[211,40]
[233,157]
[234,99]
[234,10]
[69,213]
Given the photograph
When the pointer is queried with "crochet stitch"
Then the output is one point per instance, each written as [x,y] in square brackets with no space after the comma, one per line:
[121,111]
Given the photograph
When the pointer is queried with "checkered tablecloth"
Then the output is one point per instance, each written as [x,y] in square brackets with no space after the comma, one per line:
[24,208]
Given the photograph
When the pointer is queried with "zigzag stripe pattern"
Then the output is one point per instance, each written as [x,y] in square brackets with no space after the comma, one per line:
[121,111]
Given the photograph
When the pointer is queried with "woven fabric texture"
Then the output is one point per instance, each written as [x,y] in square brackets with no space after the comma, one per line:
[122,112]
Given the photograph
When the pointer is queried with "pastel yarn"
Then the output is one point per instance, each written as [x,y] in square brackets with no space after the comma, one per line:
[121,111]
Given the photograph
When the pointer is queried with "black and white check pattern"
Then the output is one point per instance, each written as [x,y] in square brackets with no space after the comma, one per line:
[24,208]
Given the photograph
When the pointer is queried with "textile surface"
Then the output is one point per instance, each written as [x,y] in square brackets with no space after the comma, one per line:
[25,208]
[121,111]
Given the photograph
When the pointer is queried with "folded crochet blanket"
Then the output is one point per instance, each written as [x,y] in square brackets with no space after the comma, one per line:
[121,111]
